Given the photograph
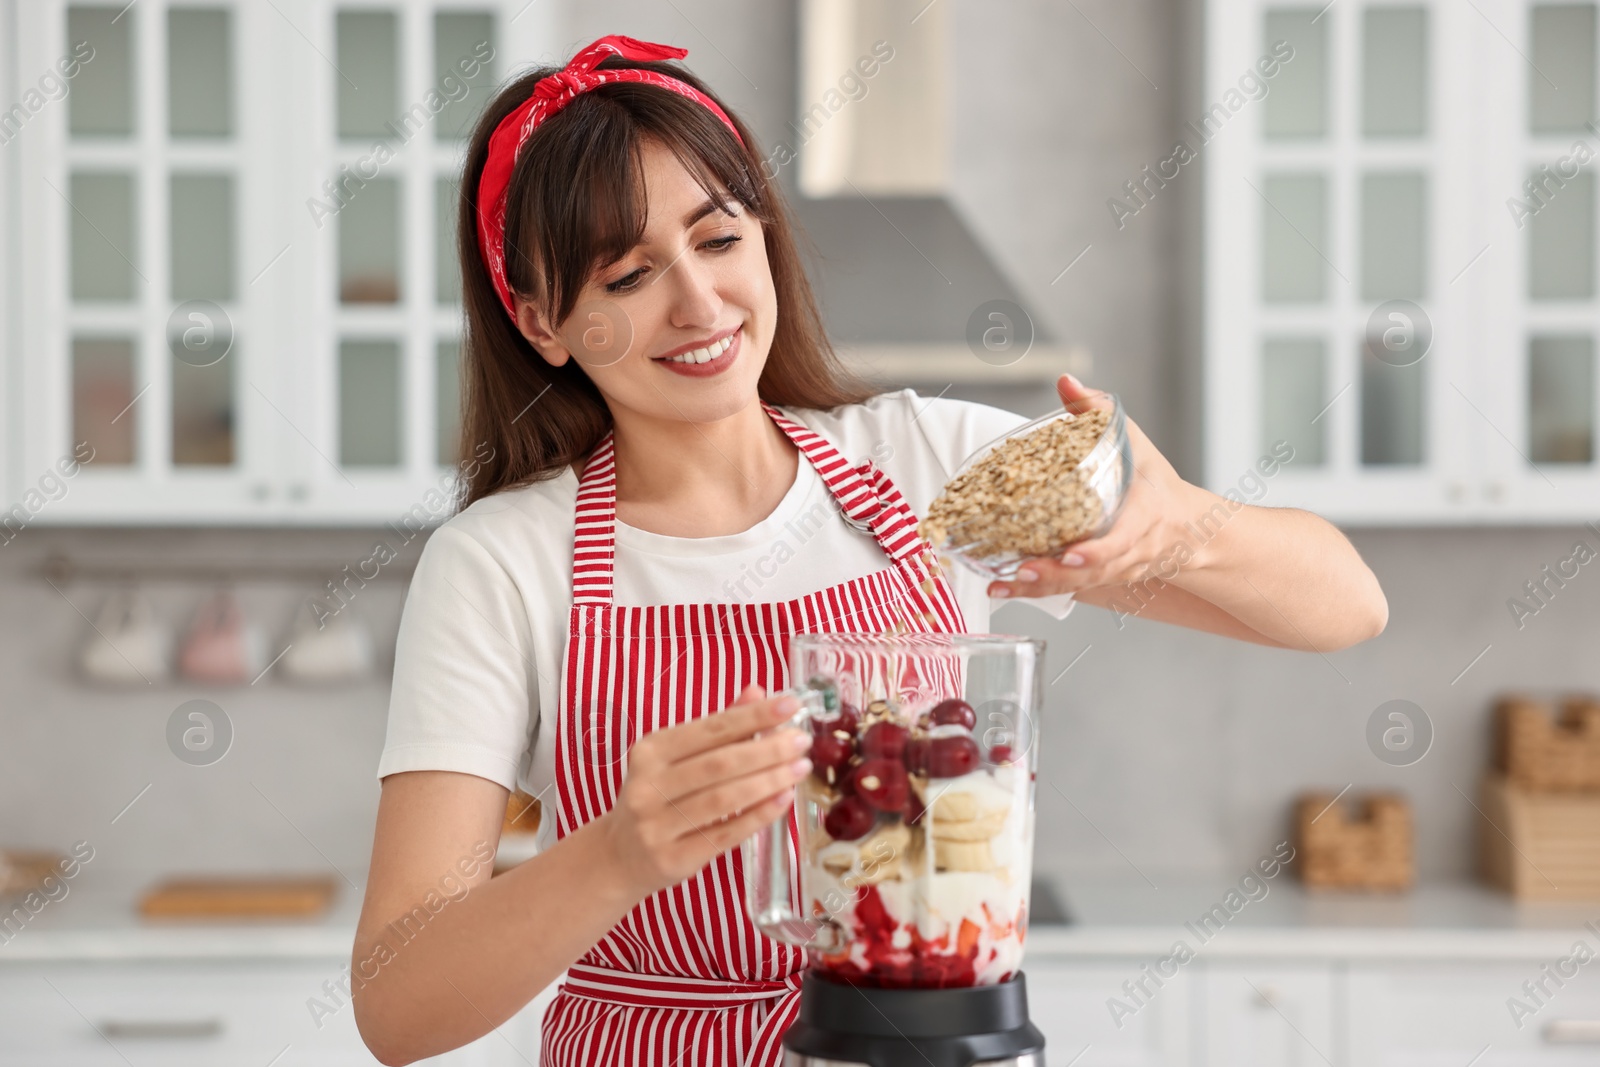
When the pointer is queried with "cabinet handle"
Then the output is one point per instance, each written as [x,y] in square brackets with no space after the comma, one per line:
[1572,1032]
[162,1029]
[1456,492]
[1495,491]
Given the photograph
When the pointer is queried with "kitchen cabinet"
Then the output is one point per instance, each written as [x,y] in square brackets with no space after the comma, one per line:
[1071,1004]
[1405,1014]
[1399,265]
[238,230]
[1269,1016]
[183,1013]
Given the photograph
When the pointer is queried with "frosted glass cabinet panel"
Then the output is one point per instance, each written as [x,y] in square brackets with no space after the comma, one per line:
[369,404]
[1561,76]
[104,236]
[1294,213]
[1394,236]
[1394,72]
[102,99]
[369,81]
[1293,398]
[369,244]
[1297,106]
[199,72]
[103,413]
[1561,240]
[247,312]
[1561,399]
[201,244]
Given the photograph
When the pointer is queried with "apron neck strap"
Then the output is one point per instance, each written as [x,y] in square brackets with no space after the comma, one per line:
[867,500]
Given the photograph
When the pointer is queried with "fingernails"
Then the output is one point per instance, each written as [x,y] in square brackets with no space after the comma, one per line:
[784,707]
[1001,592]
[1072,559]
[1075,383]
[1026,575]
[800,767]
[802,741]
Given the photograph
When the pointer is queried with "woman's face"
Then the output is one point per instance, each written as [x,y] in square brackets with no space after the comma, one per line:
[698,283]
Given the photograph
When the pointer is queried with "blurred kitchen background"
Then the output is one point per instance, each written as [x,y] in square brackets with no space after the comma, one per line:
[1376,244]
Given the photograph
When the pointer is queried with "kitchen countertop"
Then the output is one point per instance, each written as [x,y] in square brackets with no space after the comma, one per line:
[1109,918]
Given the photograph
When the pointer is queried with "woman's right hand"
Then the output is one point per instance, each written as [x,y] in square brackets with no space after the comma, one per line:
[693,791]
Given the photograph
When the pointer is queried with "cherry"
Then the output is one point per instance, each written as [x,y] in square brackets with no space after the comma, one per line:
[881,783]
[916,755]
[999,754]
[847,721]
[953,713]
[951,757]
[848,820]
[884,739]
[830,755]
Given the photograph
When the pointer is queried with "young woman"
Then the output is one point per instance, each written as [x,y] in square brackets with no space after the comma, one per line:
[671,474]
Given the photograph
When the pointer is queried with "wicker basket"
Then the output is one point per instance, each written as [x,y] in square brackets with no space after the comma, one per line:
[1545,753]
[1367,848]
[1539,845]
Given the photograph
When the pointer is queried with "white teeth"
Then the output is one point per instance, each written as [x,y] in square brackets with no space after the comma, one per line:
[706,354]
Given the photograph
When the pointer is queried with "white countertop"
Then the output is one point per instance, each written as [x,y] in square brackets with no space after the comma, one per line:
[97,922]
[1434,921]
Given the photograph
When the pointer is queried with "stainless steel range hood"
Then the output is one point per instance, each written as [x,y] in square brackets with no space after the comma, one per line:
[900,274]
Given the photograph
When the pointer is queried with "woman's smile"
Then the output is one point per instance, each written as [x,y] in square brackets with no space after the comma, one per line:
[705,359]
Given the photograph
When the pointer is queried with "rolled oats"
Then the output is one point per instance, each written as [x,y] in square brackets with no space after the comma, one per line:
[1026,496]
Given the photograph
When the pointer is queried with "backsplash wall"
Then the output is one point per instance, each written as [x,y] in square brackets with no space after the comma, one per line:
[1163,750]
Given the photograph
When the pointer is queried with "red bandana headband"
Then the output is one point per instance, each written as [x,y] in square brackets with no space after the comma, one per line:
[549,96]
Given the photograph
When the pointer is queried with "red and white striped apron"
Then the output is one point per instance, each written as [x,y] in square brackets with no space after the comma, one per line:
[686,980]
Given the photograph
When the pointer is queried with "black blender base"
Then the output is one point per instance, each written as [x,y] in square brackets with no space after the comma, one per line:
[847,1024]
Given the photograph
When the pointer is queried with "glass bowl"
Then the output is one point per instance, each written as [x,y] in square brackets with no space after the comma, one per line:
[1044,523]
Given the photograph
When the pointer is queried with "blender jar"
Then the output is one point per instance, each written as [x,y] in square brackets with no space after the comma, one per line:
[907,859]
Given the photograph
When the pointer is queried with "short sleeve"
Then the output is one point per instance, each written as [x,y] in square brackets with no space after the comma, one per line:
[464,689]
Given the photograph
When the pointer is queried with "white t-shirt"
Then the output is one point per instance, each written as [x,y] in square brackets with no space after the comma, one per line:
[483,631]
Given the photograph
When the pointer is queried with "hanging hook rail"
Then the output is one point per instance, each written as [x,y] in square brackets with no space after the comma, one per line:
[63,569]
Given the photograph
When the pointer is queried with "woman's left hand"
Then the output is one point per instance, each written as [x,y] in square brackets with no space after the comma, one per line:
[1142,540]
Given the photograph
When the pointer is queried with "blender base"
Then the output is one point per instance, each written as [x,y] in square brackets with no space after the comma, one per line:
[842,1025]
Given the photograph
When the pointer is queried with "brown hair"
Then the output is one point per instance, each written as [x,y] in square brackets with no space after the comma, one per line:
[576,204]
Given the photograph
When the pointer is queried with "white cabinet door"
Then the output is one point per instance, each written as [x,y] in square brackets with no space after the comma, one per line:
[1270,1016]
[1432,1015]
[180,1014]
[171,1015]
[1539,276]
[1090,1020]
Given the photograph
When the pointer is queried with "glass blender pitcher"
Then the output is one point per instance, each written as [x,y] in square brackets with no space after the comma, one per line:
[908,870]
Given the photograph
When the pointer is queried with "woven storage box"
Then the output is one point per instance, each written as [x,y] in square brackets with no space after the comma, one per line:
[1547,753]
[1539,846]
[1365,844]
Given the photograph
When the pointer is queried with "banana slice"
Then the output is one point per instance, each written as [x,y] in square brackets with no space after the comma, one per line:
[968,830]
[963,855]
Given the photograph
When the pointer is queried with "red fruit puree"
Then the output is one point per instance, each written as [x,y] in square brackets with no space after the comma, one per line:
[924,963]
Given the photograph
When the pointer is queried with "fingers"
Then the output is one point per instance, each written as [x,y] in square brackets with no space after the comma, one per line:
[736,722]
[1076,396]
[784,745]
[727,835]
[709,806]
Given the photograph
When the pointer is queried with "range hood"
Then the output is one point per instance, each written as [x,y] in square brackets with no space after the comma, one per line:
[905,285]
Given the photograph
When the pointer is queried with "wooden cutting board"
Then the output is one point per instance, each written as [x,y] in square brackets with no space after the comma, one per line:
[233,898]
